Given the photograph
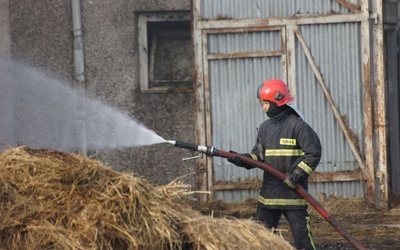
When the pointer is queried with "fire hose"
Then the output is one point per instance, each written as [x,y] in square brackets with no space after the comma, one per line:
[212,151]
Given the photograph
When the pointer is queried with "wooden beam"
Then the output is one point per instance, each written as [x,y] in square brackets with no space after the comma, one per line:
[335,176]
[252,54]
[316,177]
[268,22]
[352,7]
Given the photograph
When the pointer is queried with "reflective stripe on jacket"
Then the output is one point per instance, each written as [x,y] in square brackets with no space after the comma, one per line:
[289,142]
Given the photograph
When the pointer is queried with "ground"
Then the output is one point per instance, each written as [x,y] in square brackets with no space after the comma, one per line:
[374,229]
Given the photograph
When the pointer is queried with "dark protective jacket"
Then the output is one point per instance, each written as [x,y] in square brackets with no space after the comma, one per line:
[289,142]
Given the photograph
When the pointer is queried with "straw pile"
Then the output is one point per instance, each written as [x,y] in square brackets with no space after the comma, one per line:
[53,200]
[375,229]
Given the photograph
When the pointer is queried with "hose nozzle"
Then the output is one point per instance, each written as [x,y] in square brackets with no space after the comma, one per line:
[209,151]
[171,142]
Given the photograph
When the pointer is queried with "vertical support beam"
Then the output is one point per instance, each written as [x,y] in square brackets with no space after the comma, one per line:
[395,174]
[380,107]
[207,107]
[284,58]
[367,105]
[393,108]
[199,91]
[291,59]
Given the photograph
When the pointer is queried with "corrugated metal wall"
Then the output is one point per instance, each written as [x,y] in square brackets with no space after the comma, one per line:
[392,35]
[336,50]
[236,112]
[211,9]
[233,84]
[236,61]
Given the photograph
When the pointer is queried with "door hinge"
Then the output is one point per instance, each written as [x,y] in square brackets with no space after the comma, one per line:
[375,17]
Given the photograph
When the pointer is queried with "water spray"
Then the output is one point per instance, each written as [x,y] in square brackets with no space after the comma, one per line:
[41,110]
[211,151]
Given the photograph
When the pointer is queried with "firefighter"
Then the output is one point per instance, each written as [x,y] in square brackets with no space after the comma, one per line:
[289,144]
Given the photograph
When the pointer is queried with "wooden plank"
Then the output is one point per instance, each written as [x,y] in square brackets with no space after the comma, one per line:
[251,54]
[367,105]
[296,20]
[199,100]
[316,177]
[352,7]
[380,106]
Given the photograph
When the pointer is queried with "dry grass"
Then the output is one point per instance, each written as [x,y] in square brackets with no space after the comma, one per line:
[53,200]
[373,228]
[224,233]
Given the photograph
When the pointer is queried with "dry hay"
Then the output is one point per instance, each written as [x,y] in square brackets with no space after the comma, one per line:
[373,228]
[223,233]
[245,209]
[53,200]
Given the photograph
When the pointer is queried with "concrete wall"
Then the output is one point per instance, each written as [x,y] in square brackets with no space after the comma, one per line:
[41,36]
[6,127]
[5,43]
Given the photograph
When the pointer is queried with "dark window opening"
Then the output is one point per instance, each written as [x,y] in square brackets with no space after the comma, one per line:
[169,54]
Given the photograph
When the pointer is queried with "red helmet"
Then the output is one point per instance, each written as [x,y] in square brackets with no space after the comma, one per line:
[274,90]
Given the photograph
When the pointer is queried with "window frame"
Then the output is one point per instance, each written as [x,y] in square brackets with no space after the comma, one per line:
[144,50]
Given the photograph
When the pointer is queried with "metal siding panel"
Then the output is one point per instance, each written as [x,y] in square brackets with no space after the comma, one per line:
[342,189]
[237,130]
[236,195]
[340,64]
[237,9]
[236,112]
[244,41]
[336,50]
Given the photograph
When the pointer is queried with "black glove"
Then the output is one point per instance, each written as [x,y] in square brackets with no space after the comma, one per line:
[238,161]
[294,178]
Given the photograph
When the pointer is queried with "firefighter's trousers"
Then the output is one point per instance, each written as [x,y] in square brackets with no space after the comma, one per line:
[299,222]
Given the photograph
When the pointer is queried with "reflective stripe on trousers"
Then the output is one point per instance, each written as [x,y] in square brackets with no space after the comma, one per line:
[282,202]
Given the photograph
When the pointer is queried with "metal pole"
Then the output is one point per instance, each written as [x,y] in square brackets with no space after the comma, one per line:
[79,84]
